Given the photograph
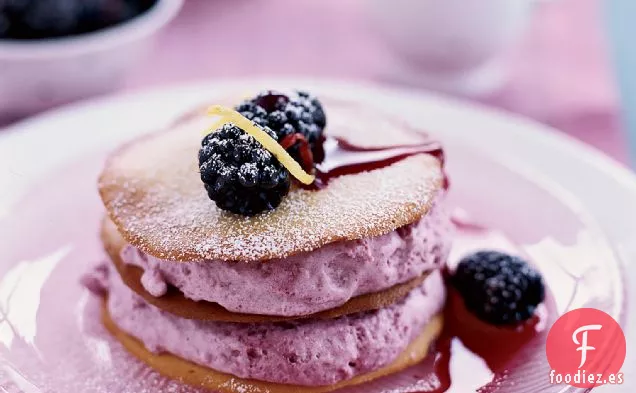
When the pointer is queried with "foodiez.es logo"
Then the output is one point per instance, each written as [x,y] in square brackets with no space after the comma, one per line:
[586,348]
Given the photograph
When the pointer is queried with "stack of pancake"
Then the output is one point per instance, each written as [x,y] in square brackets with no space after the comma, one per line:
[333,288]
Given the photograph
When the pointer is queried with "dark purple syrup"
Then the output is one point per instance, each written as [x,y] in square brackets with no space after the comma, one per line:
[339,157]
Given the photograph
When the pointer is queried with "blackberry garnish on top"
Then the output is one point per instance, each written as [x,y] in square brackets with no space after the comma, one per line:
[298,112]
[498,288]
[239,174]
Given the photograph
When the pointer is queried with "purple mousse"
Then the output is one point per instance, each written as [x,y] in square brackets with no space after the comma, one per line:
[310,282]
[310,352]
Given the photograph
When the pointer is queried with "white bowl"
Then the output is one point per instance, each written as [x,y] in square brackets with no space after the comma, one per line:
[39,74]
[451,45]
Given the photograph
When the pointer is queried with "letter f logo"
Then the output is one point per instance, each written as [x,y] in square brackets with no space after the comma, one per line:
[583,344]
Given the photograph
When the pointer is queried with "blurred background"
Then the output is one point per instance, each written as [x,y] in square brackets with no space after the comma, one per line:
[562,62]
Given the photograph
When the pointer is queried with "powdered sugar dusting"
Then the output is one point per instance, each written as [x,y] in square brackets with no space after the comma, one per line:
[152,191]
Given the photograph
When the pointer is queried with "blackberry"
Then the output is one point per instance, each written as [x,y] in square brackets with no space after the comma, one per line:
[498,288]
[298,112]
[37,19]
[239,174]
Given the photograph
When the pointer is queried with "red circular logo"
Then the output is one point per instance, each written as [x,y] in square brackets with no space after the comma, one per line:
[586,348]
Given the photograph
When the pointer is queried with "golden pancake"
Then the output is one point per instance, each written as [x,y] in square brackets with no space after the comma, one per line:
[193,374]
[174,302]
[152,192]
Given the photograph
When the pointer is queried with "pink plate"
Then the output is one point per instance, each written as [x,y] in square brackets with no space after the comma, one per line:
[51,339]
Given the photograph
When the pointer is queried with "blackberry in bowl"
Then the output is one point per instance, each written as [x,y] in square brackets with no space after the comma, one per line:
[56,51]
[42,19]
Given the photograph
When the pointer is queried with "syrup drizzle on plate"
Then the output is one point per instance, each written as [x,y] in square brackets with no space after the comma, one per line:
[471,354]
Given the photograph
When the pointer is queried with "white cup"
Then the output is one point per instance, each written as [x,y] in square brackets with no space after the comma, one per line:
[451,45]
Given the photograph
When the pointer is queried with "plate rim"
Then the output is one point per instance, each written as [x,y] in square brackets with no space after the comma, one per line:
[21,132]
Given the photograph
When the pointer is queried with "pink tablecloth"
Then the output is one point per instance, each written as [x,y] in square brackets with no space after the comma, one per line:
[559,72]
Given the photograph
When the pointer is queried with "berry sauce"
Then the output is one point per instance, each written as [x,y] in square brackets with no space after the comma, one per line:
[471,355]
[339,157]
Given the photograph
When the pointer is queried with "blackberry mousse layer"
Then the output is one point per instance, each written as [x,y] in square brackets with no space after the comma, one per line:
[311,352]
[309,282]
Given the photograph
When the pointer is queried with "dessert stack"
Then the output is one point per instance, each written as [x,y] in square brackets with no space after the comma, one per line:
[292,246]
